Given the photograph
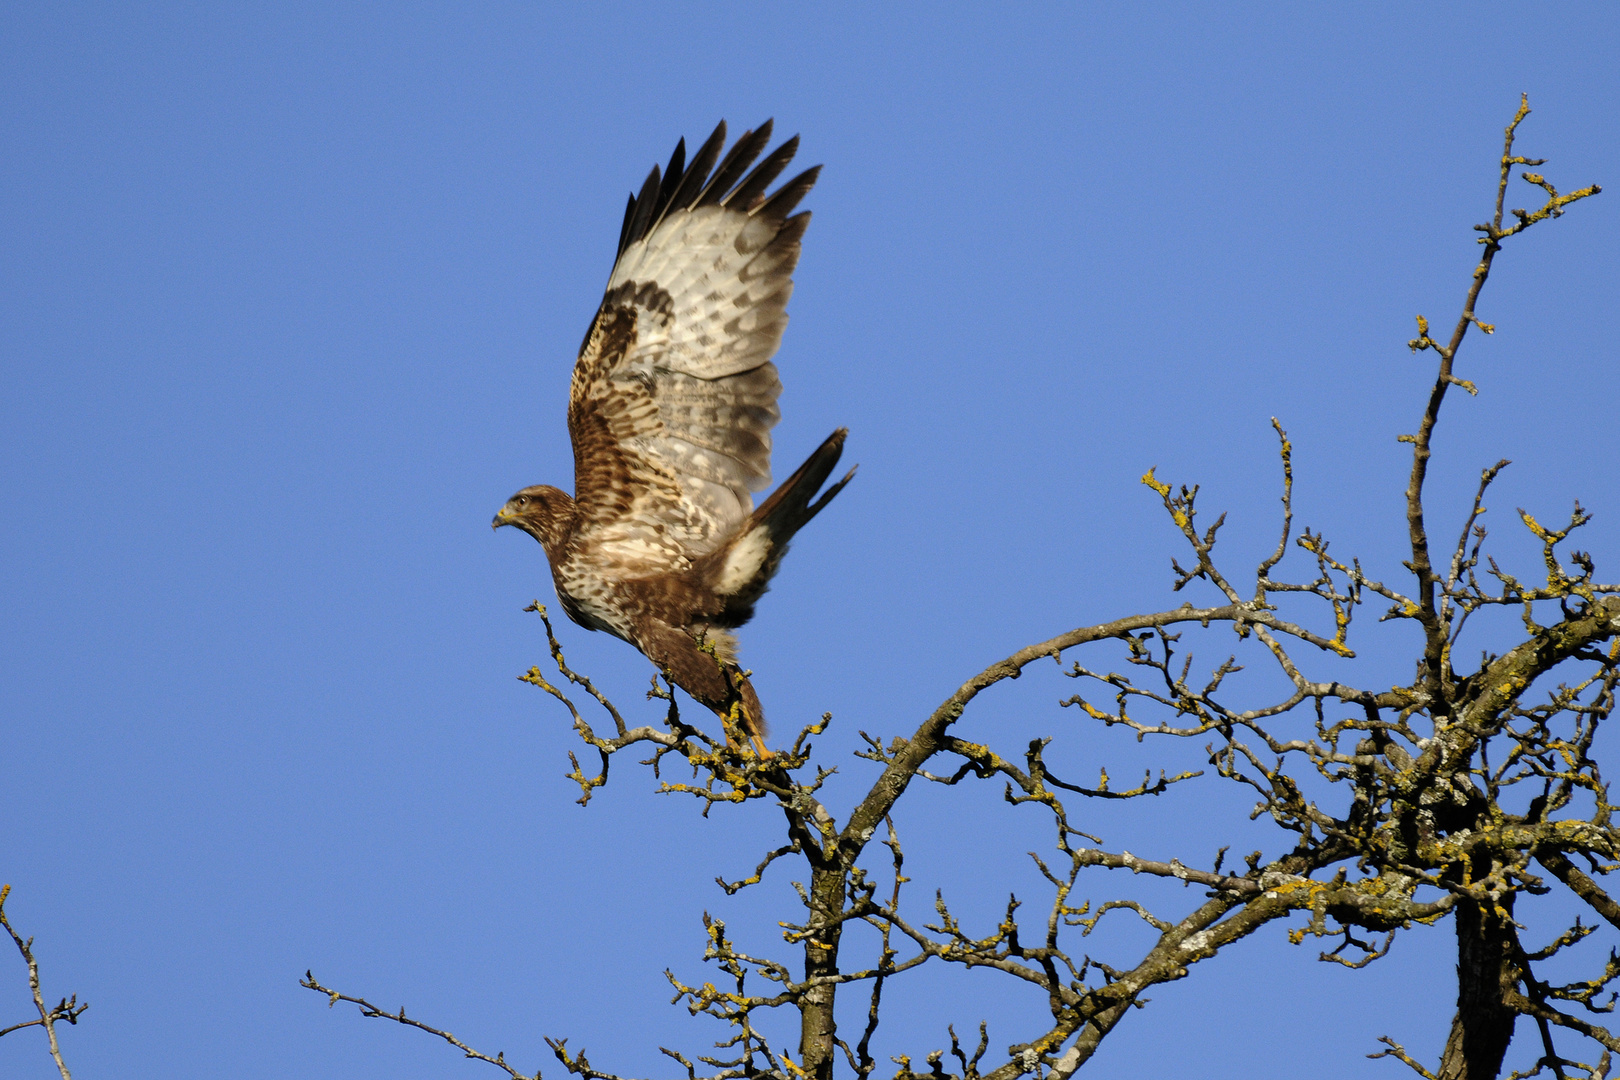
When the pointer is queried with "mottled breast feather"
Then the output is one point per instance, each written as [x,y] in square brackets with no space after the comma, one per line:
[674,395]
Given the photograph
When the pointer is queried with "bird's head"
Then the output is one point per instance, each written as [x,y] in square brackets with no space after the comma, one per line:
[543,512]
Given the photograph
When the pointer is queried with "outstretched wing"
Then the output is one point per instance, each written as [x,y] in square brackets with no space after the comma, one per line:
[674,395]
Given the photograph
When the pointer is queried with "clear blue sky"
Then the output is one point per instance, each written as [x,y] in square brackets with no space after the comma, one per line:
[288,305]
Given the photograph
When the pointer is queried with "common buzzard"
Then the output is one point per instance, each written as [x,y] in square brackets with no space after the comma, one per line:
[670,412]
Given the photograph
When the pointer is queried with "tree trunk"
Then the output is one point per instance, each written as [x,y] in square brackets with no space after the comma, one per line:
[1487,970]
[817,1028]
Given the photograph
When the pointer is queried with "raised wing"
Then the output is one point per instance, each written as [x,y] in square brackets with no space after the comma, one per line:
[674,395]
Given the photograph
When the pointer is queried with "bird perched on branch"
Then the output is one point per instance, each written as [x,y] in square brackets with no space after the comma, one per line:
[670,412]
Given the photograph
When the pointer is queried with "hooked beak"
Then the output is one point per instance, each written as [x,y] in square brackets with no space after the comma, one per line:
[505,517]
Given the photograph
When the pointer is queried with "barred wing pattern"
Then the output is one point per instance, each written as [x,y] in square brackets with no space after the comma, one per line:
[674,395]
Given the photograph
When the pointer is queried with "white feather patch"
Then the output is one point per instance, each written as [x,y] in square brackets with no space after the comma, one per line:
[744,559]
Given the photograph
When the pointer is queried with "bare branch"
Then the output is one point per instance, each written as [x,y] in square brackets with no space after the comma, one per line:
[67,1009]
[368,1009]
[1398,1052]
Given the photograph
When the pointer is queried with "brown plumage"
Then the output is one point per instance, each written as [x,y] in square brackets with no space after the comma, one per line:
[670,412]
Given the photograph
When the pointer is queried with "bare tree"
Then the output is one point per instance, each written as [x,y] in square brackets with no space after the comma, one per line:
[67,1009]
[1463,794]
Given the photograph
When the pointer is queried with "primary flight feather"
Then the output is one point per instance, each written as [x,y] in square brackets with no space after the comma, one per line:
[670,413]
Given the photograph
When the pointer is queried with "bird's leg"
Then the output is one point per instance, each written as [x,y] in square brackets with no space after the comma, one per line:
[694,666]
[752,714]
[731,720]
[738,715]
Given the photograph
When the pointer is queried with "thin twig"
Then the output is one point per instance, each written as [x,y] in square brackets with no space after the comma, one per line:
[67,1009]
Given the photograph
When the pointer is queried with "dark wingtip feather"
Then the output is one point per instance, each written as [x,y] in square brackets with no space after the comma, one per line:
[789,195]
[791,233]
[672,175]
[687,187]
[743,152]
[692,182]
[645,204]
[624,229]
[751,191]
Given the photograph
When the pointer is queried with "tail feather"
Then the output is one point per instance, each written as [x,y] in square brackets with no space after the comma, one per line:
[741,571]
[789,508]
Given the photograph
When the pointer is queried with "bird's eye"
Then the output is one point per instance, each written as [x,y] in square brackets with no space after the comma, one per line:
[523,500]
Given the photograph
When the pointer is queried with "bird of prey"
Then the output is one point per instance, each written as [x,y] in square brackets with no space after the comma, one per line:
[670,413]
